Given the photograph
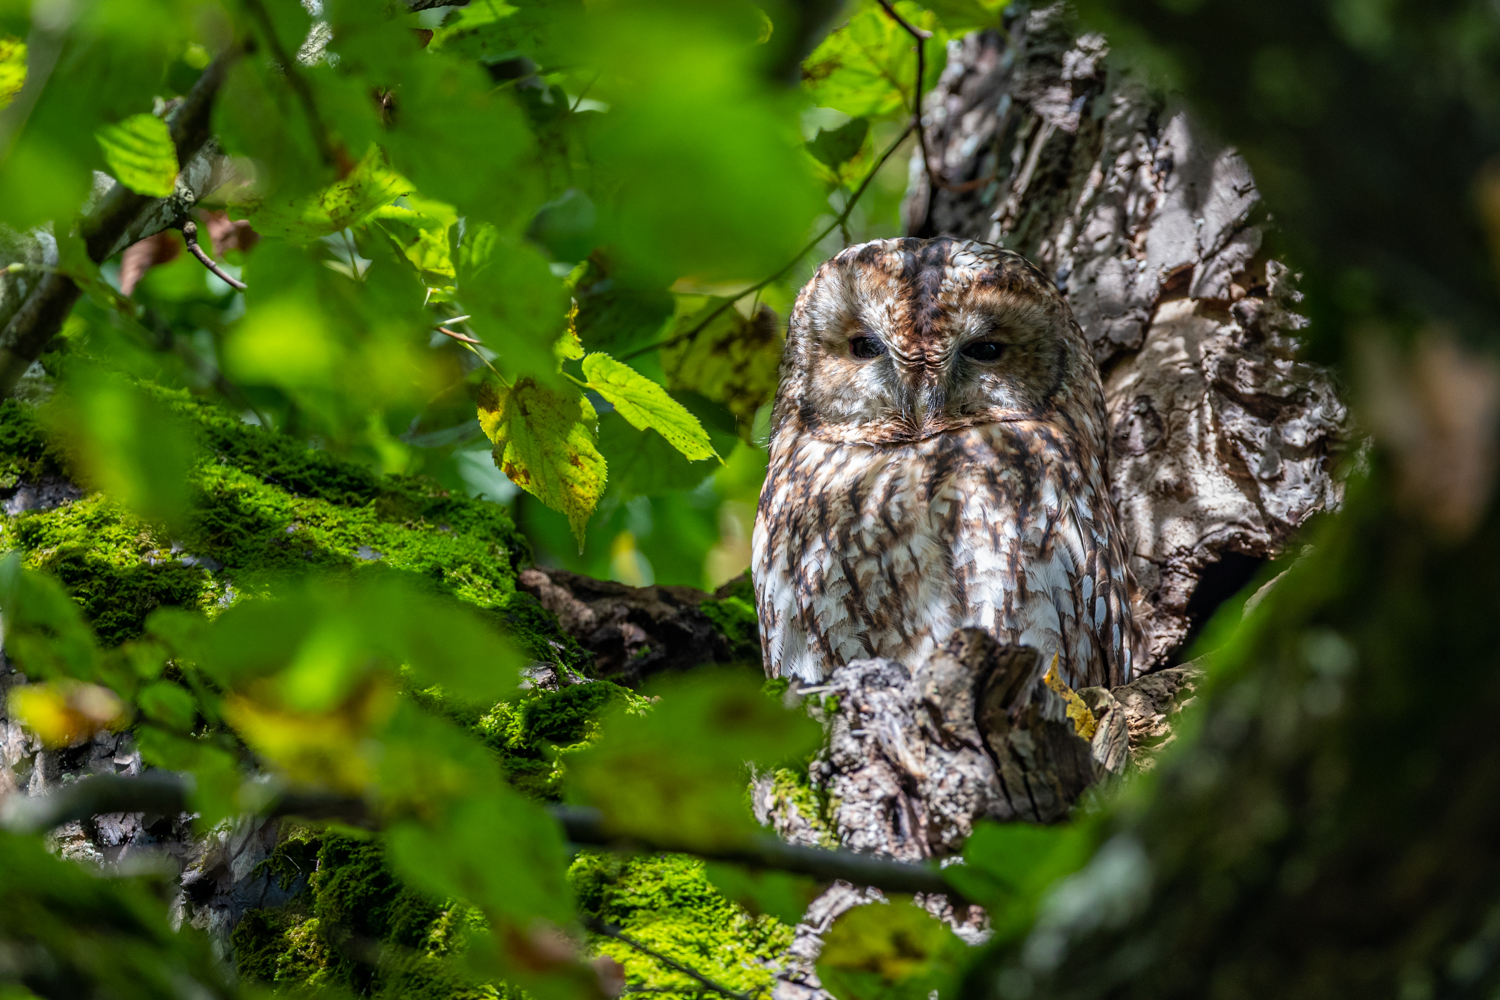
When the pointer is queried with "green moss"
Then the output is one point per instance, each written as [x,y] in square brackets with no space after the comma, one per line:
[534,734]
[667,903]
[356,927]
[734,615]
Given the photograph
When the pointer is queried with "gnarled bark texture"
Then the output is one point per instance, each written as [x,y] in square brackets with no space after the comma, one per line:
[1223,442]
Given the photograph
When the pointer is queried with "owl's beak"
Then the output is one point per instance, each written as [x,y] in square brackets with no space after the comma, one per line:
[924,401]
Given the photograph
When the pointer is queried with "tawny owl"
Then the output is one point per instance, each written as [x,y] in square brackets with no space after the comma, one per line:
[938,460]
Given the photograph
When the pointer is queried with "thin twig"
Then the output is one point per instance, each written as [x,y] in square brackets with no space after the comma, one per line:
[460,337]
[935,178]
[843,217]
[584,92]
[609,930]
[296,81]
[190,239]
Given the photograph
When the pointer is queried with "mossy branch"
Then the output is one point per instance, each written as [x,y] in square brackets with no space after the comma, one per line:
[166,793]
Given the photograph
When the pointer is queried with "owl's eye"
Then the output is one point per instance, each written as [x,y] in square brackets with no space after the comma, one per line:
[984,350]
[865,348]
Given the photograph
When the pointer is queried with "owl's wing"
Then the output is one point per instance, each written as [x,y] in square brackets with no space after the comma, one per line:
[1083,573]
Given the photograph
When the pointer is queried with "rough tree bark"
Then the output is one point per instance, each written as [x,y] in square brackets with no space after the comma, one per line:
[1223,441]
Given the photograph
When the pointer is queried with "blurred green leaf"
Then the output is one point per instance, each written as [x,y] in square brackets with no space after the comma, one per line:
[778,894]
[647,406]
[868,66]
[1008,867]
[733,360]
[125,442]
[490,31]
[141,155]
[834,147]
[962,16]
[886,951]
[169,704]
[545,444]
[699,167]
[518,306]
[499,851]
[371,186]
[44,630]
[676,775]
[641,462]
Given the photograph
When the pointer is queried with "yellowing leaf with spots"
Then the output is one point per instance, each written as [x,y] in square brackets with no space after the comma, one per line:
[545,442]
[732,360]
[141,154]
[370,186]
[647,406]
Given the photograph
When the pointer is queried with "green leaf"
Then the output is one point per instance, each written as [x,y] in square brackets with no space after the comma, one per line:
[647,406]
[518,306]
[641,462]
[141,155]
[867,67]
[783,896]
[676,775]
[734,361]
[834,147]
[501,852]
[420,233]
[489,31]
[1009,866]
[895,951]
[125,442]
[12,68]
[962,16]
[369,187]
[545,444]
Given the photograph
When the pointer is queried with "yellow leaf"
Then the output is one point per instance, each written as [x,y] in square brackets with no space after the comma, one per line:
[65,713]
[1084,723]
[545,443]
[318,748]
[733,360]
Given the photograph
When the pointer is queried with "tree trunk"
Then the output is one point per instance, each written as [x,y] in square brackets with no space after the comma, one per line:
[1223,442]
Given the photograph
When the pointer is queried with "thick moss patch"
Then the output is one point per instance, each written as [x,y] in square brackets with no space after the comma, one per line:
[667,903]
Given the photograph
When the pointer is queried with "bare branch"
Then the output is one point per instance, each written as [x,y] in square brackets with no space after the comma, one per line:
[190,239]
[836,224]
[462,338]
[116,218]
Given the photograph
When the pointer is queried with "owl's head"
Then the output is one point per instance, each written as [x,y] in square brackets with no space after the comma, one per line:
[898,340]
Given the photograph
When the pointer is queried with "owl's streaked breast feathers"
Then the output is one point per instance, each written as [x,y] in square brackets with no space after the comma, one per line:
[937,460]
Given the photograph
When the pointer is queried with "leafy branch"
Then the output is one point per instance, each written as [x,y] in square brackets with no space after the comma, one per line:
[812,244]
[115,218]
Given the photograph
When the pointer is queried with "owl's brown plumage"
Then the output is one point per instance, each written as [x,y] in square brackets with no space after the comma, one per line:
[937,460]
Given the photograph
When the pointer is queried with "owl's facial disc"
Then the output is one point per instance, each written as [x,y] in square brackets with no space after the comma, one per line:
[901,340]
